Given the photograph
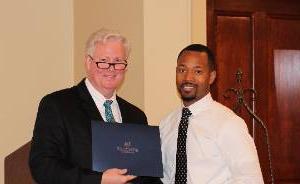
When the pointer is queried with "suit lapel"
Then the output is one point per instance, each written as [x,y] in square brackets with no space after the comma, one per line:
[87,102]
[123,110]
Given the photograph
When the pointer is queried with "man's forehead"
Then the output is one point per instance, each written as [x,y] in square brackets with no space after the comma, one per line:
[194,53]
[193,57]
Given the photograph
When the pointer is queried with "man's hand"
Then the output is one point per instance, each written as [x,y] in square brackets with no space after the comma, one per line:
[116,176]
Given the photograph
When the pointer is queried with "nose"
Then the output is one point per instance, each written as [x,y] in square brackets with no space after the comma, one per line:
[189,75]
[111,67]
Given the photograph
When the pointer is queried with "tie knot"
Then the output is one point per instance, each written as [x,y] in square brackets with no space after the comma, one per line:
[186,113]
[107,103]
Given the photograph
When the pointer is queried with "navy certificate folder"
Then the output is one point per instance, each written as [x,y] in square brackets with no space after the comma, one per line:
[127,146]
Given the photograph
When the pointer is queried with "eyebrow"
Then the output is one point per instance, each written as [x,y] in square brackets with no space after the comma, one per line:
[198,66]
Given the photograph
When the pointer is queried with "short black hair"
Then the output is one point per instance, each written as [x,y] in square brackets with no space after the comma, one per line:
[201,48]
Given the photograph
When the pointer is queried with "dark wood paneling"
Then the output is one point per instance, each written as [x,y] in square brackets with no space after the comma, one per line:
[270,6]
[283,96]
[261,73]
[231,31]
[16,169]
[285,126]
[272,33]
[243,33]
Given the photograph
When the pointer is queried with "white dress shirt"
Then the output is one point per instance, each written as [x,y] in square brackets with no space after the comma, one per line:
[219,147]
[99,100]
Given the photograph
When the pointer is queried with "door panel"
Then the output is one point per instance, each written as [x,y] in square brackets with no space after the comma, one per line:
[287,97]
[234,31]
[263,39]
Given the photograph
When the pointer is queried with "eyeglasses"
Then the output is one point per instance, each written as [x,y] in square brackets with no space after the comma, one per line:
[104,63]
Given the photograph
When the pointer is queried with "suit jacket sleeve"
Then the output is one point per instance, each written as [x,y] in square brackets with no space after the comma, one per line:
[48,160]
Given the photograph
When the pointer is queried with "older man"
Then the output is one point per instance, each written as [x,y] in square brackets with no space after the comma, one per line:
[61,145]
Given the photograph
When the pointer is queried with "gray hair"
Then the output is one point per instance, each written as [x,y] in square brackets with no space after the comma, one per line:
[102,36]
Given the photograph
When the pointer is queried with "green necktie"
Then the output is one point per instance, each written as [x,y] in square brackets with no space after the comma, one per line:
[108,112]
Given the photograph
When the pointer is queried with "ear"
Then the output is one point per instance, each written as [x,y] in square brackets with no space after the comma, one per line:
[212,77]
[87,62]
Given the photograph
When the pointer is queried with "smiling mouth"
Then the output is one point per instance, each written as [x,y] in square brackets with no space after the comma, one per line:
[109,75]
[188,87]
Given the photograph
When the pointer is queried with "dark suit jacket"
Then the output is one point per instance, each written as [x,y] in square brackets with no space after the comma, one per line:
[61,145]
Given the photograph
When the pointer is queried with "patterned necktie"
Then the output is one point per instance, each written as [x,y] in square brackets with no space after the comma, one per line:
[108,112]
[181,159]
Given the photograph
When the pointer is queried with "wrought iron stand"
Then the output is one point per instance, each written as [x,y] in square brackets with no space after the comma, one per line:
[240,102]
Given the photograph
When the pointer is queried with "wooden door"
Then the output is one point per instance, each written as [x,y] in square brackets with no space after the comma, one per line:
[262,38]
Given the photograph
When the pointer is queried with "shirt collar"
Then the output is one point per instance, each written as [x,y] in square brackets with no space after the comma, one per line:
[96,94]
[201,104]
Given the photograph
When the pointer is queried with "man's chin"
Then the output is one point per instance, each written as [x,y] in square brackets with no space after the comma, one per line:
[187,98]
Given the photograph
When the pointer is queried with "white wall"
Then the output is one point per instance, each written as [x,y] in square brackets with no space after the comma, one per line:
[167,29]
[169,26]
[199,21]
[35,58]
[124,16]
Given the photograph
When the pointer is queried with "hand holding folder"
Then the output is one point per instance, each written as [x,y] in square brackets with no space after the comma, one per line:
[116,176]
